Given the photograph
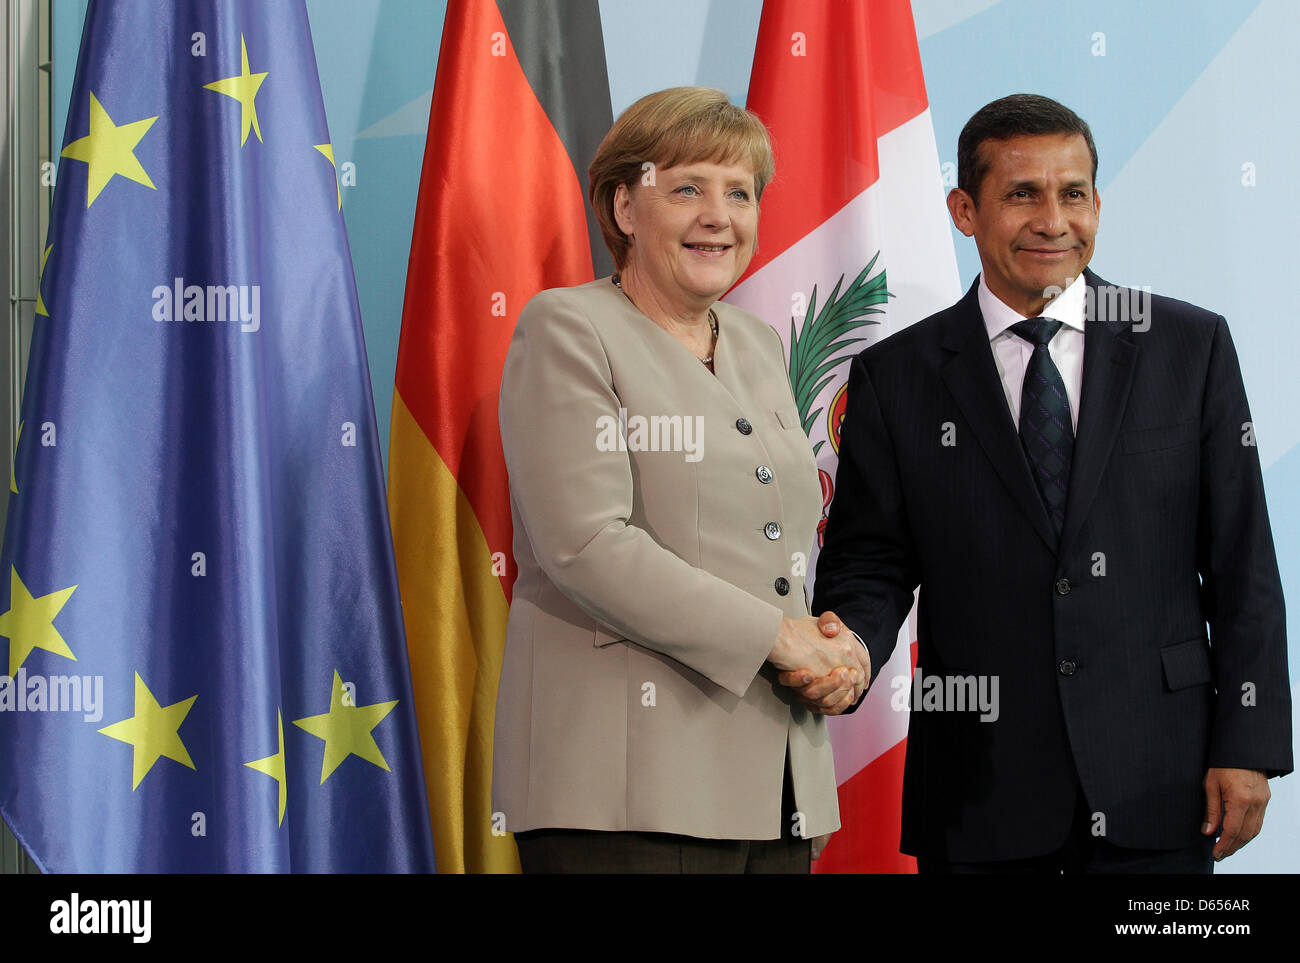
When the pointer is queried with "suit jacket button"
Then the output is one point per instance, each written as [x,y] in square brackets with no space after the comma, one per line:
[772,530]
[1068,667]
[1062,586]
[782,586]
[743,426]
[763,473]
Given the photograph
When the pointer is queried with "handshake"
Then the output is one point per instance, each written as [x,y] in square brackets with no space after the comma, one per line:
[823,661]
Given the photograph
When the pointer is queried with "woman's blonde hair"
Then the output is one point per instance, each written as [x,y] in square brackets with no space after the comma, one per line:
[674,126]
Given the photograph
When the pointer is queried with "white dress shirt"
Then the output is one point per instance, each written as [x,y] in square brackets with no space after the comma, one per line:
[1011,352]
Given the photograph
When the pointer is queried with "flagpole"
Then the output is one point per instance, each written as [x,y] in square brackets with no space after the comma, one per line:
[26,79]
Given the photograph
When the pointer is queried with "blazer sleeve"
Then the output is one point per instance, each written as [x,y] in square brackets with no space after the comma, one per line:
[1241,589]
[867,569]
[575,502]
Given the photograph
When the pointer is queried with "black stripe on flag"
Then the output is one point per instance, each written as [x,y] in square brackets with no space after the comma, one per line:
[561,47]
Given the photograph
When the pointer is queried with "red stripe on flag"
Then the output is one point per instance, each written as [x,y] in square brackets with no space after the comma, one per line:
[871,808]
[828,80]
[871,816]
[500,217]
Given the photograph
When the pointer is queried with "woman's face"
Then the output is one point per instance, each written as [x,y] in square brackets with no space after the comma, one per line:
[693,228]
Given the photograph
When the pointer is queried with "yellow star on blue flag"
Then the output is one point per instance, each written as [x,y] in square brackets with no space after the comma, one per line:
[108,151]
[153,732]
[185,401]
[243,87]
[346,730]
[29,622]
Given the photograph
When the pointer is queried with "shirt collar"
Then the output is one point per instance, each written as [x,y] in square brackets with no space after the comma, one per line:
[1067,307]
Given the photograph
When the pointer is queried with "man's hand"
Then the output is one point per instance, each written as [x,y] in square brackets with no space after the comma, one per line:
[1240,796]
[838,690]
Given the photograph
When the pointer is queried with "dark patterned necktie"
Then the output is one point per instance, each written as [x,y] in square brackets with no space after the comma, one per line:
[1045,429]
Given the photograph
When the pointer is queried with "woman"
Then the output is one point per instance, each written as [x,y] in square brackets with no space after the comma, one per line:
[663,491]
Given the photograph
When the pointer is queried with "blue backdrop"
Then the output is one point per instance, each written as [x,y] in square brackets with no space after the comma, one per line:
[1182,96]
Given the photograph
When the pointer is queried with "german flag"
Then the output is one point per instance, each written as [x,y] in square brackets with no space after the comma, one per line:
[520,104]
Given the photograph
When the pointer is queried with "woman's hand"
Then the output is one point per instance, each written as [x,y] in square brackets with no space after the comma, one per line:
[837,690]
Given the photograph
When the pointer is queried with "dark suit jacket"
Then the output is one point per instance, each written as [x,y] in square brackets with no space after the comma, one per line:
[1107,678]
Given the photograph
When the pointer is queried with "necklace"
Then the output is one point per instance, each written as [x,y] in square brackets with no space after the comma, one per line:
[713,324]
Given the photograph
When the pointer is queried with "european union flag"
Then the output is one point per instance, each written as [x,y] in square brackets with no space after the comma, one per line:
[206,666]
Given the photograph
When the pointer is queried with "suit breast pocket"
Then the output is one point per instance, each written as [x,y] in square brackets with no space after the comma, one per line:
[788,418]
[1139,440]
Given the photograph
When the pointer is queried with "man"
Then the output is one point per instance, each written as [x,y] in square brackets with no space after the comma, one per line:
[1067,470]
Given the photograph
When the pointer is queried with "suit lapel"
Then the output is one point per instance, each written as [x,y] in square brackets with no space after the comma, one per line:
[973,380]
[1109,353]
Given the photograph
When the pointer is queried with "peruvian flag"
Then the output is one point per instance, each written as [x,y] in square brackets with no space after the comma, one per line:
[854,245]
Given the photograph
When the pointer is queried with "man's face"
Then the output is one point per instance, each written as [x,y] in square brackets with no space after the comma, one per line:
[1036,219]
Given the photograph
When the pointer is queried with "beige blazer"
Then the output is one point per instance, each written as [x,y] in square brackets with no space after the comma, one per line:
[635,693]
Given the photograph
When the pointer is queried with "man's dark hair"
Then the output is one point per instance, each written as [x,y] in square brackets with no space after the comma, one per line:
[1013,116]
